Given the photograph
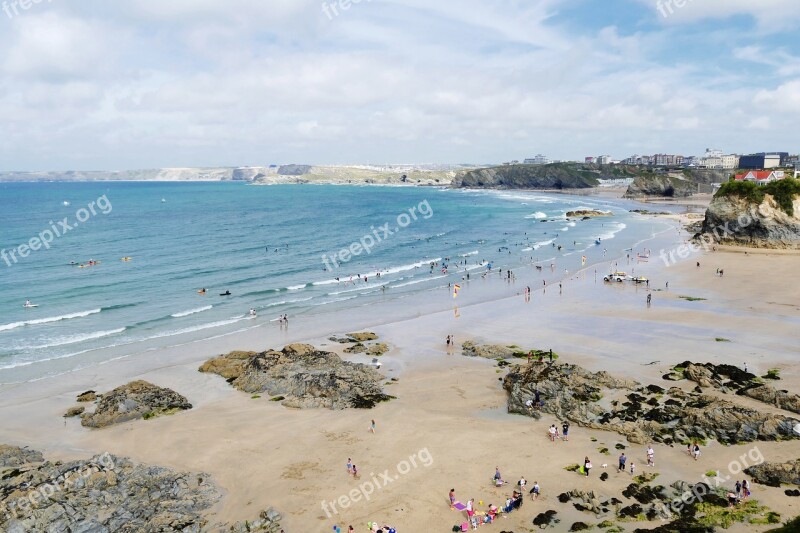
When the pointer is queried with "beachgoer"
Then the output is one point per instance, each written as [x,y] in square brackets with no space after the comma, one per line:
[372,427]
[650,456]
[565,431]
[349,466]
[696,451]
[355,472]
[738,488]
[470,508]
[497,476]
[522,483]
[552,431]
[587,466]
[536,398]
[535,491]
[649,299]
[622,461]
[733,499]
[745,489]
[633,467]
[452,498]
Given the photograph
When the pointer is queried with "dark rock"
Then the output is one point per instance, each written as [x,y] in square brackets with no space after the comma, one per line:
[105,494]
[11,456]
[74,411]
[572,393]
[138,399]
[546,519]
[775,474]
[579,526]
[308,378]
[88,396]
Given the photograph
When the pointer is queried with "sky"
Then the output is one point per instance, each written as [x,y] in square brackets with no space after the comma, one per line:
[132,84]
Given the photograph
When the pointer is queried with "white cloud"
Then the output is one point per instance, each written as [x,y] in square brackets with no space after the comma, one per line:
[150,83]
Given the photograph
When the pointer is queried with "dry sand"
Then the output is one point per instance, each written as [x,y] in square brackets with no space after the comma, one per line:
[450,411]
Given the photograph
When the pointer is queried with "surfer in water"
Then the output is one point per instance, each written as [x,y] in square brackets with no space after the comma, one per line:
[226,293]
[201,292]
[253,313]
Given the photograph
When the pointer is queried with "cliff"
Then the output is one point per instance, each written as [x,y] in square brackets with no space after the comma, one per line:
[754,215]
[554,176]
[661,185]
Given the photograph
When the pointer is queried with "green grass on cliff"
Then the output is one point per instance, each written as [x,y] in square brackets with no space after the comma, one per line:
[784,191]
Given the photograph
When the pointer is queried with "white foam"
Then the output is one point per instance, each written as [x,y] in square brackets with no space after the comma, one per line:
[74,339]
[192,311]
[537,215]
[15,325]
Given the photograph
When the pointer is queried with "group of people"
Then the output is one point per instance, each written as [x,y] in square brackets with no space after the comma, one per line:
[512,503]
[352,469]
[740,493]
[554,434]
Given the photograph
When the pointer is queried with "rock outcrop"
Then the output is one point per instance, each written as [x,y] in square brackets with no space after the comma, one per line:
[775,474]
[269,521]
[103,495]
[487,351]
[555,176]
[591,213]
[138,399]
[642,414]
[736,220]
[660,185]
[74,411]
[12,456]
[304,377]
[294,170]
[88,396]
[728,378]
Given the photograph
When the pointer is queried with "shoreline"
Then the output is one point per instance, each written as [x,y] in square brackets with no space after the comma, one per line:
[451,405]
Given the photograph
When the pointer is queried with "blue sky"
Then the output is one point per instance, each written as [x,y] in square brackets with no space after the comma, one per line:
[153,83]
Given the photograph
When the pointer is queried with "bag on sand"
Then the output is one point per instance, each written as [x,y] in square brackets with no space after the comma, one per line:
[456,528]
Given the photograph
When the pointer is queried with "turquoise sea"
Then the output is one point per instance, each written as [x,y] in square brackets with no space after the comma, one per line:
[269,246]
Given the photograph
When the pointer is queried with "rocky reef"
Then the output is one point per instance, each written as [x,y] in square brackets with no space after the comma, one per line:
[138,399]
[642,414]
[753,218]
[728,378]
[301,376]
[661,185]
[104,494]
[109,494]
[591,213]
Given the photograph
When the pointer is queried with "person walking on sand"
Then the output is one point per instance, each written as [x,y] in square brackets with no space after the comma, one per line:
[633,467]
[745,489]
[622,461]
[535,491]
[565,431]
[696,450]
[349,466]
[452,498]
[552,431]
[522,483]
[650,456]
[372,427]
[470,508]
[587,465]
[355,472]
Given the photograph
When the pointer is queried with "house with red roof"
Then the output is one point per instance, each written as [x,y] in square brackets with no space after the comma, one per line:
[761,177]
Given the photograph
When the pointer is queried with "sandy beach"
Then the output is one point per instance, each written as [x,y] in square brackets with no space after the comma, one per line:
[448,426]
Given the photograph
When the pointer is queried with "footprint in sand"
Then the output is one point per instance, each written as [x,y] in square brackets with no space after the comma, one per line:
[461,392]
[299,470]
[346,437]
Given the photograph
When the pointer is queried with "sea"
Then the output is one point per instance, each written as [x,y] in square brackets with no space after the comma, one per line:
[118,268]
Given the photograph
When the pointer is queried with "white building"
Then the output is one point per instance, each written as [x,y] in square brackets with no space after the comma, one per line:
[604,160]
[538,160]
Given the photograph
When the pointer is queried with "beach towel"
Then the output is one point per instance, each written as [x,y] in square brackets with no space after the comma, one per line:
[458,506]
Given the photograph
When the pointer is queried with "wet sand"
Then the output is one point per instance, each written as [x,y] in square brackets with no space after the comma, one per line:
[449,408]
